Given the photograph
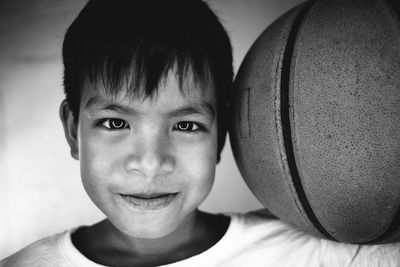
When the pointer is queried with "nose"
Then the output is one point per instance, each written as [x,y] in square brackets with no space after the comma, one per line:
[150,155]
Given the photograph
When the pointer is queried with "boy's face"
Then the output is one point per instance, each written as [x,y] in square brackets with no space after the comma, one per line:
[148,164]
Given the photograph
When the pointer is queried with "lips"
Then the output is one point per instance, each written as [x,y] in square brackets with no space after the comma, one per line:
[153,201]
[150,196]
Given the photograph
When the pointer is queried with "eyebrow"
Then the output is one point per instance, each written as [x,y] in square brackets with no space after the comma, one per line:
[98,103]
[203,108]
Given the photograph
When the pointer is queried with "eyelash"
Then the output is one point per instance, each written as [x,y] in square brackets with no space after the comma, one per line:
[187,125]
[110,121]
[190,125]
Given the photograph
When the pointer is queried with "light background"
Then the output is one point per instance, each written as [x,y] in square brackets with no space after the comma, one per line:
[40,187]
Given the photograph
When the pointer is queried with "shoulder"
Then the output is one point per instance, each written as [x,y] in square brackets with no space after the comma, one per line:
[262,228]
[266,240]
[44,252]
[378,255]
[261,225]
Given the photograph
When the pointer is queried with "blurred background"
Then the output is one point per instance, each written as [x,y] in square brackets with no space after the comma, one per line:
[40,188]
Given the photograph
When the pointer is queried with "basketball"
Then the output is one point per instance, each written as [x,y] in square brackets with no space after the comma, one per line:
[315,121]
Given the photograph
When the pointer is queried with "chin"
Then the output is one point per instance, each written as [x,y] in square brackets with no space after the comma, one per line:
[148,230]
[149,224]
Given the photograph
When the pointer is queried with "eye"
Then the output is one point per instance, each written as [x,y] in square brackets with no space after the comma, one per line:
[187,126]
[114,124]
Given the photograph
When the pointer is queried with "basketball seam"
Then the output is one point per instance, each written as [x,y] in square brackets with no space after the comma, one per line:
[278,128]
[285,119]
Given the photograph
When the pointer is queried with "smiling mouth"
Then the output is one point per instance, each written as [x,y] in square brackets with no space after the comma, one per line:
[150,201]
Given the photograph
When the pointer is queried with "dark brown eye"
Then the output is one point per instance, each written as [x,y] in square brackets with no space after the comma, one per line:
[115,124]
[184,126]
[187,126]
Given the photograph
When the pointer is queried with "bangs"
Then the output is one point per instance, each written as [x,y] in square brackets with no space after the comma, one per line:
[140,71]
[132,45]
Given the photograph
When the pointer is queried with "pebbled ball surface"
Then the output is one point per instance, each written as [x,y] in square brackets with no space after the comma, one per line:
[339,177]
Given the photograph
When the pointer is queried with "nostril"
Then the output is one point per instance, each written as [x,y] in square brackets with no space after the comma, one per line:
[132,163]
[168,165]
[156,164]
[151,154]
[150,165]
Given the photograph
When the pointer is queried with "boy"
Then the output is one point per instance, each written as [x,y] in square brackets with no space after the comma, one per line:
[147,85]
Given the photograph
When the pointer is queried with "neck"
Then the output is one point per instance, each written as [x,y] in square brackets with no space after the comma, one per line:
[107,245]
[191,229]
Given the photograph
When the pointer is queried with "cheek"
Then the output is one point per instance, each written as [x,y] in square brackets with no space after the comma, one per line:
[199,164]
[97,162]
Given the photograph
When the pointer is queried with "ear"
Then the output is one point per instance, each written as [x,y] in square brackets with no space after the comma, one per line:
[222,133]
[70,128]
[221,141]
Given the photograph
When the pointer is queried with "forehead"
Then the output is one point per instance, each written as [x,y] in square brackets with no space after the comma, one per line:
[170,92]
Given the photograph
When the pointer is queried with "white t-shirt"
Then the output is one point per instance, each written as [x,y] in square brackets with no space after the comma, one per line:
[252,239]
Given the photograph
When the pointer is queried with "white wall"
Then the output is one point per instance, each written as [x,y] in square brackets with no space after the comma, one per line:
[40,189]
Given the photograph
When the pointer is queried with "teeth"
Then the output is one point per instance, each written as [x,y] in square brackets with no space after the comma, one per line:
[151,196]
[150,201]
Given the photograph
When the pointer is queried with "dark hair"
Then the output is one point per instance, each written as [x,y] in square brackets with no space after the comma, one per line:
[137,42]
